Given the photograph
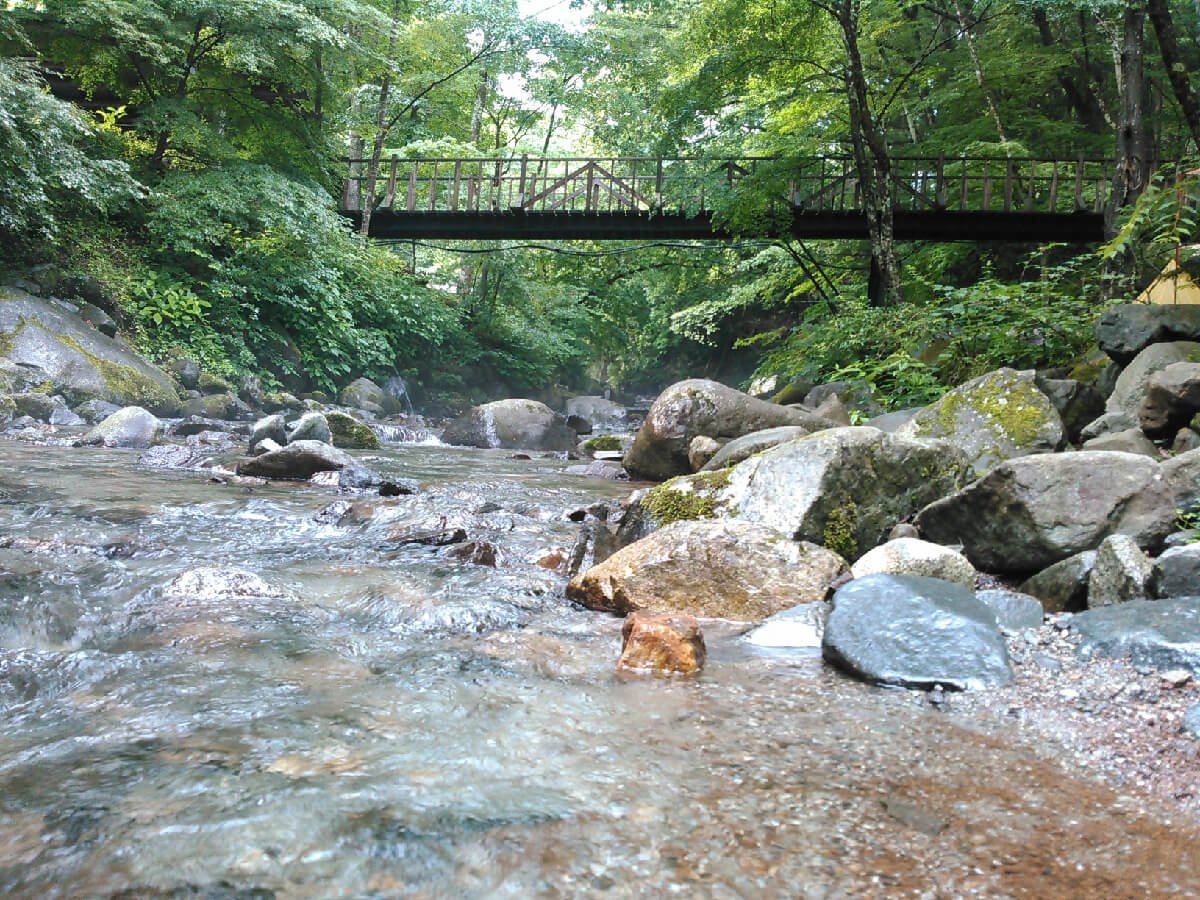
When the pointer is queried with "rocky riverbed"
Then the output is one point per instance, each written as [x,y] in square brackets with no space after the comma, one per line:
[355,714]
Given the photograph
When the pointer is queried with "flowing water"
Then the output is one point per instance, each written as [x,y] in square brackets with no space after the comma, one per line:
[395,723]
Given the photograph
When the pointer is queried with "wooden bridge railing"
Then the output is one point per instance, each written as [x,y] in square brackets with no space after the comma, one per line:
[640,184]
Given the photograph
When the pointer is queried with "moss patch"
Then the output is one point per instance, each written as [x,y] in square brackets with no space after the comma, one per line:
[125,382]
[840,530]
[351,434]
[211,384]
[1013,406]
[666,503]
[602,442]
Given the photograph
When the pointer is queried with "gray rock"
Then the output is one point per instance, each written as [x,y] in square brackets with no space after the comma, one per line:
[854,395]
[1120,573]
[915,632]
[171,456]
[603,414]
[1176,573]
[579,424]
[35,404]
[747,445]
[94,411]
[903,530]
[1131,440]
[98,319]
[701,450]
[299,460]
[1109,423]
[833,410]
[1134,380]
[130,427]
[695,407]
[250,390]
[1187,439]
[211,585]
[1029,513]
[997,416]
[1181,538]
[801,627]
[1077,403]
[363,393]
[63,416]
[1172,398]
[1182,475]
[211,406]
[278,402]
[359,478]
[513,425]
[1063,587]
[1013,610]
[892,422]
[266,445]
[912,556]
[595,543]
[310,427]
[599,468]
[1158,634]
[1191,721]
[843,488]
[186,371]
[272,428]
[1124,331]
[196,425]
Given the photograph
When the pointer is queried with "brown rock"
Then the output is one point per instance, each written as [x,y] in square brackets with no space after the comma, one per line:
[666,645]
[478,553]
[714,568]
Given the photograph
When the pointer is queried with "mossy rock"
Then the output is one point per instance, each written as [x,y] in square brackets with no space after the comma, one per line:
[608,442]
[685,498]
[997,416]
[351,434]
[213,384]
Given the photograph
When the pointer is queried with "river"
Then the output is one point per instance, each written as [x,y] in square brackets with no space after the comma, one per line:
[398,724]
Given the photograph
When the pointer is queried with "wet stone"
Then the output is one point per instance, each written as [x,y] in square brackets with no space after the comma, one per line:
[1012,609]
[477,553]
[911,631]
[662,644]
[1160,634]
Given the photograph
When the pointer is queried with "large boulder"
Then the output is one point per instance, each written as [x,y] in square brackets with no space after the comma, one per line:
[1134,381]
[994,417]
[1177,572]
[1077,403]
[48,343]
[1172,398]
[843,488]
[129,427]
[720,569]
[912,556]
[699,407]
[1161,634]
[511,424]
[298,460]
[349,433]
[915,632]
[1125,331]
[269,428]
[1031,512]
[312,426]
[747,445]
[363,393]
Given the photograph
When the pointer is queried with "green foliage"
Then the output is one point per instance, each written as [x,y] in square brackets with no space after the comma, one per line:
[1187,518]
[164,302]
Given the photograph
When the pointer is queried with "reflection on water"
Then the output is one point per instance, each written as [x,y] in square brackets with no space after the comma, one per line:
[398,724]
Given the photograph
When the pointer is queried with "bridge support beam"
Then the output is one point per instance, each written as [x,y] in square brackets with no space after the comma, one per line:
[519,225]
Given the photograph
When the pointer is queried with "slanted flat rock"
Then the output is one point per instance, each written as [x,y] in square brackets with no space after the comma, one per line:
[1162,634]
[915,632]
[1029,513]
[1134,381]
[800,627]
[298,460]
[912,556]
[1012,609]
[747,445]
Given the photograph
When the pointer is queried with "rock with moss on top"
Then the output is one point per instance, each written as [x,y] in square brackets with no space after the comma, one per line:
[997,416]
[349,433]
[129,427]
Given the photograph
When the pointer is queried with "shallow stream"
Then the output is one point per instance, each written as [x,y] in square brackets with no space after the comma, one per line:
[401,724]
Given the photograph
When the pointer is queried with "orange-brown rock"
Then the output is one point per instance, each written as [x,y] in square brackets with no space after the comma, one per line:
[664,645]
[717,568]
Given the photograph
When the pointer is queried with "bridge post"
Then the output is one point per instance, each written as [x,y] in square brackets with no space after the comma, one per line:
[389,193]
[658,186]
[939,191]
[454,194]
[1009,169]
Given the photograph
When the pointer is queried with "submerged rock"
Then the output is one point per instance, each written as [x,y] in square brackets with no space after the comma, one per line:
[1029,513]
[698,407]
[911,556]
[171,456]
[915,632]
[299,460]
[800,627]
[1162,634]
[721,569]
[212,584]
[997,416]
[130,427]
[667,645]
[513,425]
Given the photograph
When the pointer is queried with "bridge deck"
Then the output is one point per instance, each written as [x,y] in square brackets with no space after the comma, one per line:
[937,198]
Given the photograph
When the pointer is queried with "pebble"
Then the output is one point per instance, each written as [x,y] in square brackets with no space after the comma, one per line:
[1176,677]
[1047,662]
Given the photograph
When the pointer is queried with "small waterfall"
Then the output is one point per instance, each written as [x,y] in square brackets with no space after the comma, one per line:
[397,388]
[404,434]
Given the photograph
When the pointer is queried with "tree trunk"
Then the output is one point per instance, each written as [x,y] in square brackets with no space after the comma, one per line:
[481,90]
[979,79]
[385,86]
[874,167]
[352,189]
[1134,161]
[1177,72]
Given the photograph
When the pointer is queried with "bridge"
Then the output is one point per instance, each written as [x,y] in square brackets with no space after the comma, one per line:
[940,198]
